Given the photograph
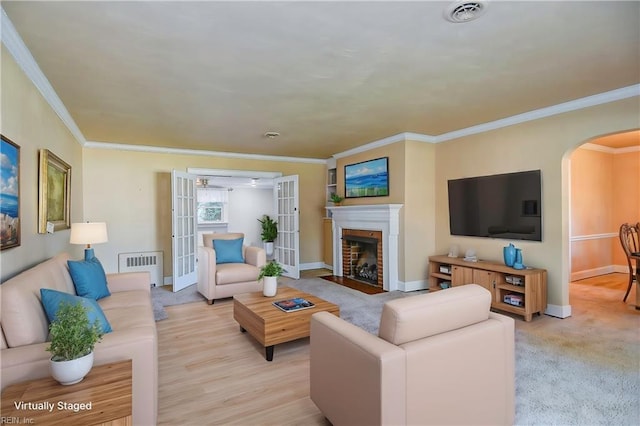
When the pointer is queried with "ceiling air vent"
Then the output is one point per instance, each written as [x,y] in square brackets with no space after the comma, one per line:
[465,11]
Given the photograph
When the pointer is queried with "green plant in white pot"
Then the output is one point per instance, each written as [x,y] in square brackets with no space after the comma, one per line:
[72,341]
[269,274]
[269,233]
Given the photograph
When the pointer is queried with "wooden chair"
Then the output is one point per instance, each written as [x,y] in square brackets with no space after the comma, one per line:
[631,247]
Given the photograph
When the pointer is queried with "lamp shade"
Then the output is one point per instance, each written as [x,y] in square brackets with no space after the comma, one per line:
[88,233]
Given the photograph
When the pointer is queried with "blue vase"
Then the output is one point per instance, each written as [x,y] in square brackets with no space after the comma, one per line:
[509,253]
[518,263]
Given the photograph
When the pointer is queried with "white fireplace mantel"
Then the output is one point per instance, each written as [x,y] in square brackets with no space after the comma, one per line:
[373,217]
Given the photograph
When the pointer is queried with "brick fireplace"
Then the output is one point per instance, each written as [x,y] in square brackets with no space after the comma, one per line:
[360,228]
[362,257]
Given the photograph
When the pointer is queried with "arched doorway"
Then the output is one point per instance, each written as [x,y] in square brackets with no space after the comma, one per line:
[603,175]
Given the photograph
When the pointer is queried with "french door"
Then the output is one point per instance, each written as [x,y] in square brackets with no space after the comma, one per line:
[287,245]
[183,229]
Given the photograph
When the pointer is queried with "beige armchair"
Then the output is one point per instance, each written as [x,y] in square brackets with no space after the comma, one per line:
[440,358]
[217,281]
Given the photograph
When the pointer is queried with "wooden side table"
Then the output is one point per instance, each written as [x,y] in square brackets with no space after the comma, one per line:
[102,398]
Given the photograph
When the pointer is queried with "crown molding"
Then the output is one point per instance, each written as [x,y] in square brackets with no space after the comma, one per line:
[601,148]
[400,137]
[14,44]
[589,101]
[576,104]
[178,151]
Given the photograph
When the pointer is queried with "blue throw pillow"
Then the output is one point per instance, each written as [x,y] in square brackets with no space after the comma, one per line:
[51,300]
[89,278]
[228,251]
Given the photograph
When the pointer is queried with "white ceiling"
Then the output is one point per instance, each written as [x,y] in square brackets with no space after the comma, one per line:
[328,76]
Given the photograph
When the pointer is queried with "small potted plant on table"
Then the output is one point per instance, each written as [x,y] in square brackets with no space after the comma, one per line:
[72,341]
[269,274]
[269,233]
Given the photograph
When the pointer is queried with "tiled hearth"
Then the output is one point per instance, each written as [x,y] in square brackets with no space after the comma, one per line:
[383,218]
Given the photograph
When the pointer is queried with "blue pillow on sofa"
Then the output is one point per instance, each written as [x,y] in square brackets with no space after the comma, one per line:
[51,300]
[89,278]
[228,251]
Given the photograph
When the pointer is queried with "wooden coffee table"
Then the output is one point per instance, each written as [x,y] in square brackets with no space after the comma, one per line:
[269,325]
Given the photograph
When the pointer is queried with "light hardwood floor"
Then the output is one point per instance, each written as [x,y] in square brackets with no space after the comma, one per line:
[212,374]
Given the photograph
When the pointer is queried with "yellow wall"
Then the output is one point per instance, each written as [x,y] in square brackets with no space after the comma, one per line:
[27,120]
[603,185]
[411,177]
[419,212]
[544,144]
[626,190]
[131,191]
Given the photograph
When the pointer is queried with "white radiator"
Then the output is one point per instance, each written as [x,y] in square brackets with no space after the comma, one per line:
[147,261]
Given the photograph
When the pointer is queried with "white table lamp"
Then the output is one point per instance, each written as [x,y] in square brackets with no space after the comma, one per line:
[88,233]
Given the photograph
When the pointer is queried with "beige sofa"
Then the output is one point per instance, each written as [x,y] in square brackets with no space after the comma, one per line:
[439,359]
[129,310]
[217,281]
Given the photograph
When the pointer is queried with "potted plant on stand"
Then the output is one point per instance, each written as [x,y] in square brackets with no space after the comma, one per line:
[269,233]
[269,274]
[72,341]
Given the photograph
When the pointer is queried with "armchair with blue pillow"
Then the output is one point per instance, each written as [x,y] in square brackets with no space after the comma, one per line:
[226,266]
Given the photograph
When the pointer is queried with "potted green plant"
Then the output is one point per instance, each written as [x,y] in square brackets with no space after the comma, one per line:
[72,341]
[269,233]
[269,274]
[336,199]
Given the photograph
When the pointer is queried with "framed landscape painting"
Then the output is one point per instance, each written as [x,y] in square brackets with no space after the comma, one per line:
[54,192]
[367,179]
[9,194]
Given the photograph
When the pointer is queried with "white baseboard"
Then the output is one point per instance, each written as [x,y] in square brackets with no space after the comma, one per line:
[588,273]
[413,285]
[622,269]
[558,311]
[603,270]
[312,265]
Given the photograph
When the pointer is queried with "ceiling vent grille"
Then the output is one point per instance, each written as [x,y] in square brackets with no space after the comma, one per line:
[464,11]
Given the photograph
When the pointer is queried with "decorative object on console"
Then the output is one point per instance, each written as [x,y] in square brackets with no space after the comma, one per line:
[269,233]
[73,338]
[336,199]
[88,233]
[367,179]
[10,204]
[470,255]
[453,251]
[518,261]
[54,191]
[509,254]
[269,274]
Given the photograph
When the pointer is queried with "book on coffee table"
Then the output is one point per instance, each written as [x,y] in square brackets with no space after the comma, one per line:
[292,305]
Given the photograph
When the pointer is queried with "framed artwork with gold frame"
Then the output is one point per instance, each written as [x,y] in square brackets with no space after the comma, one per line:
[54,193]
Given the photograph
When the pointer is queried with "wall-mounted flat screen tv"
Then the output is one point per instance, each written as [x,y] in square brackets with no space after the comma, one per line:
[504,206]
[367,179]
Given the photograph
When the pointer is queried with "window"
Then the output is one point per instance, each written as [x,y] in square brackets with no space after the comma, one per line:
[212,205]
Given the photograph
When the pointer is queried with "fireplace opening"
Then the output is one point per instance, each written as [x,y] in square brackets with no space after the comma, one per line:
[362,256]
